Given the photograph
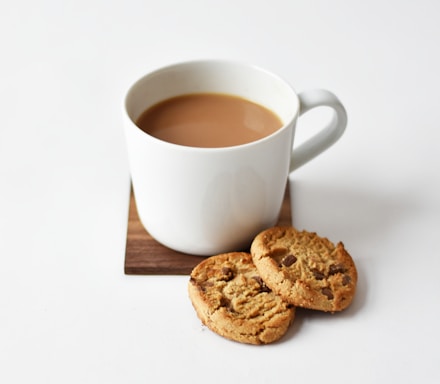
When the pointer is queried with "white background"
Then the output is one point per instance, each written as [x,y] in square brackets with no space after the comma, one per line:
[68,314]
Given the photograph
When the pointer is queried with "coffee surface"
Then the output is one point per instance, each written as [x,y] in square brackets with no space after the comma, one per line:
[208,120]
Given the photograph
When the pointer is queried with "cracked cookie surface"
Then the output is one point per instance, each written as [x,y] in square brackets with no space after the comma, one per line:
[231,299]
[304,269]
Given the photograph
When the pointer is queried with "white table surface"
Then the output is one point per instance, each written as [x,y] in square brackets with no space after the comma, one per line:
[68,314]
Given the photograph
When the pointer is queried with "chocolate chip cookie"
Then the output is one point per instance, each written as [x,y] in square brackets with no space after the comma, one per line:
[231,299]
[304,269]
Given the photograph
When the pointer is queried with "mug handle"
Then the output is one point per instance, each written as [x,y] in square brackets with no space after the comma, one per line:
[328,135]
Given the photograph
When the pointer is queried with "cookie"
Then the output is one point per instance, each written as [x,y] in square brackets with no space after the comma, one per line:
[231,299]
[304,269]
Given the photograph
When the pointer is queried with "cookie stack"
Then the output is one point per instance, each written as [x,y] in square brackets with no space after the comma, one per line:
[251,298]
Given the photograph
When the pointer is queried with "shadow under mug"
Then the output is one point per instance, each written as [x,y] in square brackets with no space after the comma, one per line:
[205,201]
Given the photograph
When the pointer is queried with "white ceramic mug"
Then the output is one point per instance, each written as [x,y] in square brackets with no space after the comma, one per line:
[205,201]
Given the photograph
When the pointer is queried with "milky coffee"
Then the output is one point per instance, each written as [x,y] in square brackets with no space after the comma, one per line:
[208,120]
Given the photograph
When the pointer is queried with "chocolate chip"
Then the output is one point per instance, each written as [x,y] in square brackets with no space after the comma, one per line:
[262,284]
[200,286]
[318,275]
[289,260]
[265,288]
[336,268]
[228,273]
[327,292]
[346,280]
[203,285]
[225,302]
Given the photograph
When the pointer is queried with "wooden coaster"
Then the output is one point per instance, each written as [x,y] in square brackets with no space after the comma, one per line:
[145,256]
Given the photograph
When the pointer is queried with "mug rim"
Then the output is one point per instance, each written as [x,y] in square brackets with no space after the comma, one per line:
[288,122]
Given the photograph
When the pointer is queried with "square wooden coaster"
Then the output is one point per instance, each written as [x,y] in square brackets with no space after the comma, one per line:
[145,256]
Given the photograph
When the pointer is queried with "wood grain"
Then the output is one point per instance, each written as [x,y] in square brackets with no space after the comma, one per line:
[145,256]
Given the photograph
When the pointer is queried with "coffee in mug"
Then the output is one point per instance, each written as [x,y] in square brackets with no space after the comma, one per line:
[209,120]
